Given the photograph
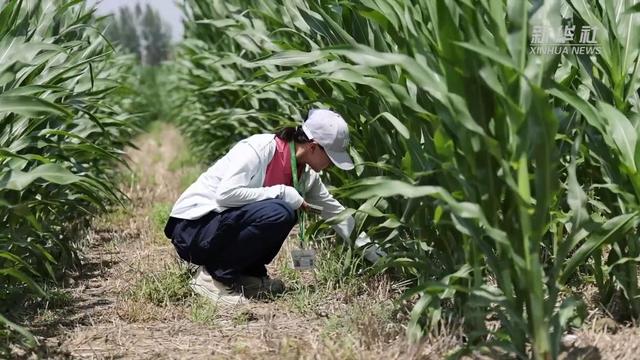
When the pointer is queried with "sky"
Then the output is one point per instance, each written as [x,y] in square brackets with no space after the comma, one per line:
[169,11]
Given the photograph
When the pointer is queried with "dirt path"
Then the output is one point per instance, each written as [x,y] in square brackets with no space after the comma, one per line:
[131,299]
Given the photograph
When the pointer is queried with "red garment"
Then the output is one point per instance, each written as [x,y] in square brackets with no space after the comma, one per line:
[279,168]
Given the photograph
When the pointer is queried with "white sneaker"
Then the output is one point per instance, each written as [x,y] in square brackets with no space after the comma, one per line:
[372,252]
[214,290]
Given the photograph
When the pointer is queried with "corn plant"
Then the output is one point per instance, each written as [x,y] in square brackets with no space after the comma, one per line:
[603,92]
[219,103]
[473,152]
[63,123]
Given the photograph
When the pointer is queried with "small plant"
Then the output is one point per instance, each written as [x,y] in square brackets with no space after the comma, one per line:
[337,266]
[203,311]
[58,299]
[243,317]
[159,215]
[165,287]
[305,299]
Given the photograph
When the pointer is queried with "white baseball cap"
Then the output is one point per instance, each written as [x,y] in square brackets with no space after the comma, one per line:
[329,129]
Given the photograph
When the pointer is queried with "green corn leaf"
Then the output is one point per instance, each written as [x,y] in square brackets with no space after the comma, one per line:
[55,173]
[397,124]
[24,278]
[489,53]
[623,134]
[30,105]
[633,9]
[609,232]
[30,339]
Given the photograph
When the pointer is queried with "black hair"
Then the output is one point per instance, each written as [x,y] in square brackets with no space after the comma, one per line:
[295,134]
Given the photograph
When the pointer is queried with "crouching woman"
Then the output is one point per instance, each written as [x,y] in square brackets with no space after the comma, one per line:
[235,217]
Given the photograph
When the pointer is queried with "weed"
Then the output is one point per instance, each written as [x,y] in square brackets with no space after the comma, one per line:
[159,215]
[289,275]
[240,349]
[335,275]
[137,311]
[162,288]
[46,316]
[58,299]
[334,325]
[291,349]
[336,266]
[203,311]
[373,321]
[243,317]
[305,299]
[341,347]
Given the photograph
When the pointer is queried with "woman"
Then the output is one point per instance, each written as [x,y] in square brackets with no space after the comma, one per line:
[235,217]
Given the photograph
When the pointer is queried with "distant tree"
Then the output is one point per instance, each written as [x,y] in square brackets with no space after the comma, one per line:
[141,32]
[138,10]
[111,29]
[156,35]
[128,32]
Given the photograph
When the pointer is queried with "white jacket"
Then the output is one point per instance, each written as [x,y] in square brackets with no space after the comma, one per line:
[236,179]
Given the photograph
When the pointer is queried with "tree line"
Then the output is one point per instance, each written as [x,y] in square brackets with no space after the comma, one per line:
[142,32]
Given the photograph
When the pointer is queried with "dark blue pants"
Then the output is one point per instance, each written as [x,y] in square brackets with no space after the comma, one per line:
[237,241]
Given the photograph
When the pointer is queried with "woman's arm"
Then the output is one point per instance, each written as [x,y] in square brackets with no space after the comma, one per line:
[317,194]
[241,165]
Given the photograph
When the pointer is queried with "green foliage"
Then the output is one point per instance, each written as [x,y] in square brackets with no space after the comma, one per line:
[159,215]
[148,92]
[165,287]
[57,299]
[336,267]
[203,311]
[489,174]
[142,33]
[335,271]
[157,36]
[63,124]
[123,31]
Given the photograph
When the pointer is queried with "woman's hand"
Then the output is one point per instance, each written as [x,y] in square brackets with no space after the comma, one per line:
[311,209]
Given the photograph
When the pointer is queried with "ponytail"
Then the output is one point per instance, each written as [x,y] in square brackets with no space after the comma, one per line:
[295,134]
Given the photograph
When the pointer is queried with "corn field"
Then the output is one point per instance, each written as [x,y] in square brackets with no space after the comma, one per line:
[497,179]
[64,120]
